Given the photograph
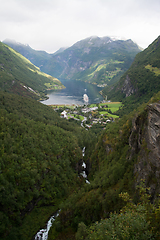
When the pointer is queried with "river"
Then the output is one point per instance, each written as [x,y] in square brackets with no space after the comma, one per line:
[73,93]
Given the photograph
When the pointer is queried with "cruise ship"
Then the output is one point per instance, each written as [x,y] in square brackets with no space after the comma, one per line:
[85,98]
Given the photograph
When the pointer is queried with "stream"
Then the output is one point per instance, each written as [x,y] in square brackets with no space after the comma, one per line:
[43,233]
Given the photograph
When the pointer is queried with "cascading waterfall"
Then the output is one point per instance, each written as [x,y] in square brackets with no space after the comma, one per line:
[43,233]
[84,166]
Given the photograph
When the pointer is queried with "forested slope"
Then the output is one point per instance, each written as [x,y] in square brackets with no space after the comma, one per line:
[141,81]
[127,152]
[19,75]
[38,58]
[39,155]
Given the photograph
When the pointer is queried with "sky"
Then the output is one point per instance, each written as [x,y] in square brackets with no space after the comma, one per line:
[51,24]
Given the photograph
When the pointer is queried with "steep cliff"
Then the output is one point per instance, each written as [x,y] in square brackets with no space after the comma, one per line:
[145,141]
[131,144]
[128,89]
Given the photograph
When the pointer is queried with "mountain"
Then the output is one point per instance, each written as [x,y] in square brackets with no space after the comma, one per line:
[59,51]
[38,58]
[125,159]
[41,154]
[95,60]
[141,81]
[19,75]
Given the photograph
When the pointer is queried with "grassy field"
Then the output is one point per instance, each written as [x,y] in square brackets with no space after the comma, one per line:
[64,105]
[80,117]
[105,113]
[113,106]
[153,69]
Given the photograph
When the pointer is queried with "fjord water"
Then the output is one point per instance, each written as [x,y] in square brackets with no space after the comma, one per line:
[73,93]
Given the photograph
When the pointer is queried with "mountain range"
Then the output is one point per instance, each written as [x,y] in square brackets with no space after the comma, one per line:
[95,60]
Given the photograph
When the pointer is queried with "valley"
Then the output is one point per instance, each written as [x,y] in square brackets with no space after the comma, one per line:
[47,150]
[90,115]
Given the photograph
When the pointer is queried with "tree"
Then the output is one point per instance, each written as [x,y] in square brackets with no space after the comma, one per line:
[135,221]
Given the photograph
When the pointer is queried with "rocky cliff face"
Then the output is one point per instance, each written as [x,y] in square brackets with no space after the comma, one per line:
[145,141]
[128,87]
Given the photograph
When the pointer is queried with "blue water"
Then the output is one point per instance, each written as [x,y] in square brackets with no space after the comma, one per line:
[73,93]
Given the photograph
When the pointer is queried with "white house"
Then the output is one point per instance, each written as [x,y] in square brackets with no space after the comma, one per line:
[64,114]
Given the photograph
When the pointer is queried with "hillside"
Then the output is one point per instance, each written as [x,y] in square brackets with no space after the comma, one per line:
[95,60]
[39,158]
[19,75]
[42,162]
[141,80]
[126,153]
[38,58]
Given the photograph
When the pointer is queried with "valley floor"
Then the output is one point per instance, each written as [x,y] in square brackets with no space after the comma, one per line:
[90,115]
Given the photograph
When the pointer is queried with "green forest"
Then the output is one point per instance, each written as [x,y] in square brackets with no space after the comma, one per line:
[39,159]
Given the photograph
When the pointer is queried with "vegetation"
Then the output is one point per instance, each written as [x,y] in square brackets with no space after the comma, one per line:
[41,164]
[143,77]
[38,58]
[94,116]
[39,155]
[133,222]
[19,75]
[111,172]
[95,60]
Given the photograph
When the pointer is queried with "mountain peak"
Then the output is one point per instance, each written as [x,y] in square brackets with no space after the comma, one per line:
[95,41]
[11,42]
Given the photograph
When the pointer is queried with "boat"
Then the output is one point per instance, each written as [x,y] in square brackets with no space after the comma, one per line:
[85,98]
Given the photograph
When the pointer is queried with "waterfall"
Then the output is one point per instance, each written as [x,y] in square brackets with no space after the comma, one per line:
[43,233]
[84,166]
[83,152]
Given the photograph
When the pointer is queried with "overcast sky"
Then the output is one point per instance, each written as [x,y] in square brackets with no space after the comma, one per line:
[51,24]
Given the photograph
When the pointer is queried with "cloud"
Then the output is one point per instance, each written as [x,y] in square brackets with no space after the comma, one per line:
[51,24]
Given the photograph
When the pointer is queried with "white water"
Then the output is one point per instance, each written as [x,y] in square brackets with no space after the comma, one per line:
[83,153]
[87,181]
[43,233]
[84,174]
[84,166]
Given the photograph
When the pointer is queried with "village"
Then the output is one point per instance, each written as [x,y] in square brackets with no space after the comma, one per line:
[90,115]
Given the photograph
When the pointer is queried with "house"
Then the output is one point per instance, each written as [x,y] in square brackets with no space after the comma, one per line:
[86,110]
[93,108]
[64,114]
